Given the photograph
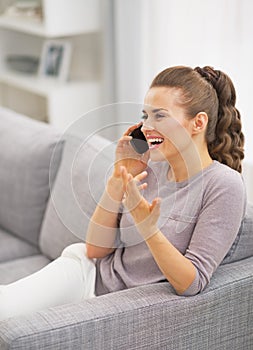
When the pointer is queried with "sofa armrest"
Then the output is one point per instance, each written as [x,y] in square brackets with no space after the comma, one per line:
[147,317]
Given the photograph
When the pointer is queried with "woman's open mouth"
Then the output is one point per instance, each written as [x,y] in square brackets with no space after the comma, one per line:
[154,142]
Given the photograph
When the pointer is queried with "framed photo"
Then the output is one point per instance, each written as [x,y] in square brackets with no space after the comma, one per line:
[55,60]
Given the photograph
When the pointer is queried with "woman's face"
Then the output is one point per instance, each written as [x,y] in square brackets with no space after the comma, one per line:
[165,125]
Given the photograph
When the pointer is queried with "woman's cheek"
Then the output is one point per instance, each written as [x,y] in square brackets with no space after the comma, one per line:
[176,134]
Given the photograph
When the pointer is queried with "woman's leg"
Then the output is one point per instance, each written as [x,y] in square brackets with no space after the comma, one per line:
[69,278]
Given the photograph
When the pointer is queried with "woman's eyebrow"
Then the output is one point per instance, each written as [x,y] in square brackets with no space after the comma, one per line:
[159,109]
[156,110]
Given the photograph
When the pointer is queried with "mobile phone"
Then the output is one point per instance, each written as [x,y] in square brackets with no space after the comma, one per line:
[139,142]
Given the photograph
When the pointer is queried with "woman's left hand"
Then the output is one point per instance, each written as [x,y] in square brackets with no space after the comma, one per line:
[176,268]
[145,215]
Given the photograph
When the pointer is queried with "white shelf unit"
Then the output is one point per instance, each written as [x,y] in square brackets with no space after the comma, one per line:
[60,18]
[59,103]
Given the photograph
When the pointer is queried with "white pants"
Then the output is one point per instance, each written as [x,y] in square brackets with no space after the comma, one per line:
[69,278]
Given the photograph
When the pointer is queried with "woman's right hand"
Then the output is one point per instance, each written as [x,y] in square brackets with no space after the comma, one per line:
[126,156]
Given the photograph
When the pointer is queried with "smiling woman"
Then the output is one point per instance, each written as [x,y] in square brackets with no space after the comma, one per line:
[171,213]
[187,216]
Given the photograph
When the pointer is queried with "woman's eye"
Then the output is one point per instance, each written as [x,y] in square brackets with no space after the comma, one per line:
[159,116]
[144,117]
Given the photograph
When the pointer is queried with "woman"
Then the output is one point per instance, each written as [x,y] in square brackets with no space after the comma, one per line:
[180,214]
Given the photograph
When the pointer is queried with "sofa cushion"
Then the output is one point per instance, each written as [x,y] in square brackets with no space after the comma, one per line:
[12,271]
[78,187]
[12,247]
[26,147]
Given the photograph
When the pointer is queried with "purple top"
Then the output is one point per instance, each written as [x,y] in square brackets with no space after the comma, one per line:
[200,217]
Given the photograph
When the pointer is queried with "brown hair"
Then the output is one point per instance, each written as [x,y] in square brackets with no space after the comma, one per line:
[210,91]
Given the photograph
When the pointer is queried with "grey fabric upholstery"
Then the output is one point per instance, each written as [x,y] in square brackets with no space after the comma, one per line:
[243,245]
[148,317]
[12,247]
[26,147]
[80,184]
[13,270]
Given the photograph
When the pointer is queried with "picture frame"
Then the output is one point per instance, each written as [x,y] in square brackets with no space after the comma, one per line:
[55,60]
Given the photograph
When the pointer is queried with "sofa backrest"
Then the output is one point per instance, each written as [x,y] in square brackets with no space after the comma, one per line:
[80,182]
[26,147]
[243,245]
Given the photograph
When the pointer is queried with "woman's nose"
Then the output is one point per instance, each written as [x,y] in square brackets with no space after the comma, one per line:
[147,126]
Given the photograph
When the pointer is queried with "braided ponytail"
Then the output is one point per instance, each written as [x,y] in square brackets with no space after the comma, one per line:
[210,91]
[227,146]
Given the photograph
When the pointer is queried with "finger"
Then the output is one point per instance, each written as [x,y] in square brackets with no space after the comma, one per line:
[142,186]
[141,176]
[129,130]
[130,186]
[155,205]
[133,190]
[124,173]
[125,138]
[124,176]
[132,199]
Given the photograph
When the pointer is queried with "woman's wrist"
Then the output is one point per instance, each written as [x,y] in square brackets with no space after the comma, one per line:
[147,232]
[112,196]
[114,188]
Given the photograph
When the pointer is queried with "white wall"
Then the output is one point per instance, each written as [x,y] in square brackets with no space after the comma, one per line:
[155,34]
[247,174]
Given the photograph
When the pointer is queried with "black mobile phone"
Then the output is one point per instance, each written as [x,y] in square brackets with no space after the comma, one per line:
[139,142]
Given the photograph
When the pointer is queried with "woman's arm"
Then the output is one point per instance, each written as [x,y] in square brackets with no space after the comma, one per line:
[103,224]
[177,269]
[102,229]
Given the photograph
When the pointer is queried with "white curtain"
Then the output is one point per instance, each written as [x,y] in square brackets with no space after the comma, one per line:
[150,35]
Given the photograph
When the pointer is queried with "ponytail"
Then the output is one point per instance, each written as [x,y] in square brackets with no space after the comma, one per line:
[227,146]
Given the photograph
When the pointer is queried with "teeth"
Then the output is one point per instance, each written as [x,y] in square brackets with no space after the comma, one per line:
[155,140]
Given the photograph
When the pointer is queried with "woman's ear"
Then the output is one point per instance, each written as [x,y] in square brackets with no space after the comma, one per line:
[200,122]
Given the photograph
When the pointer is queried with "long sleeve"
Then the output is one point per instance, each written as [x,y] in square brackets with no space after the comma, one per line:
[219,221]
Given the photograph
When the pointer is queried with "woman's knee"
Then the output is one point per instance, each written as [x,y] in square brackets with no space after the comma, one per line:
[75,251]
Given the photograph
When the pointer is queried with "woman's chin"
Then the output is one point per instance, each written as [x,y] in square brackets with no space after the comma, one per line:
[156,155]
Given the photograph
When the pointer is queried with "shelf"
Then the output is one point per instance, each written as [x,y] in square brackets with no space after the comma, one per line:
[60,19]
[41,86]
[37,27]
[64,101]
[48,98]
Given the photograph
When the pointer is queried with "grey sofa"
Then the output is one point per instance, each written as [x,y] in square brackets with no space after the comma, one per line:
[49,185]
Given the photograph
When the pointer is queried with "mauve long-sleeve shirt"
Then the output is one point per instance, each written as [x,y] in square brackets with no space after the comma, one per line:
[200,217]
